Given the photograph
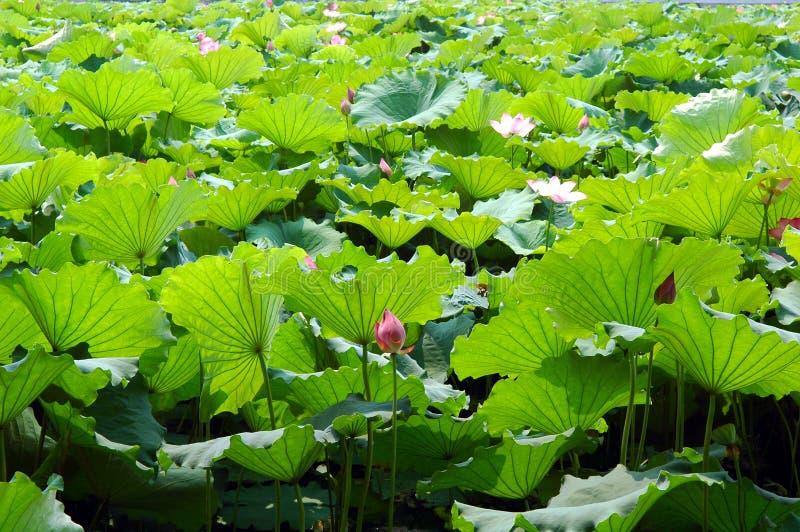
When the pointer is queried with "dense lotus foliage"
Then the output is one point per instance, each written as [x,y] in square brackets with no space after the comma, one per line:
[438,265]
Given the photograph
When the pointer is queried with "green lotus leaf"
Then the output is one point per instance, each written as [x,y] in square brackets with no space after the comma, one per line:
[28,190]
[406,99]
[349,304]
[315,239]
[655,103]
[235,208]
[466,229]
[204,240]
[295,348]
[740,152]
[232,326]
[128,223]
[153,173]
[287,459]
[225,66]
[749,216]
[693,127]
[91,44]
[583,291]
[747,295]
[478,108]
[623,226]
[431,443]
[726,352]
[560,153]
[510,206]
[662,65]
[94,96]
[314,125]
[511,469]
[390,46]
[88,304]
[182,365]
[524,238]
[580,88]
[13,252]
[300,40]
[551,109]
[24,506]
[595,61]
[194,101]
[23,381]
[17,327]
[21,144]
[392,230]
[258,31]
[481,177]
[515,342]
[628,191]
[45,46]
[563,393]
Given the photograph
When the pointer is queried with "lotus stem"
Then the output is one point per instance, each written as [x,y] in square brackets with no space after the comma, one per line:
[513,153]
[3,472]
[549,222]
[348,479]
[42,436]
[370,443]
[209,520]
[792,444]
[475,263]
[739,491]
[265,372]
[300,507]
[108,138]
[712,406]
[394,443]
[643,434]
[33,225]
[626,428]
[235,519]
[762,231]
[678,406]
[738,411]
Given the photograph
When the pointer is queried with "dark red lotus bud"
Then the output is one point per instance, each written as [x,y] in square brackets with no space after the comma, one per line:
[665,293]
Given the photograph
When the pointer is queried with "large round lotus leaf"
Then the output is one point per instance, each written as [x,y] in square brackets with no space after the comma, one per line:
[406,99]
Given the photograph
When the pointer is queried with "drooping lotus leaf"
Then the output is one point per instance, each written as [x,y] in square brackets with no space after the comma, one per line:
[741,151]
[580,88]
[94,96]
[194,101]
[392,230]
[88,304]
[315,239]
[511,469]
[655,103]
[560,153]
[517,341]
[183,363]
[726,352]
[662,65]
[23,506]
[233,326]
[23,381]
[693,127]
[524,238]
[478,108]
[396,46]
[20,143]
[225,66]
[79,50]
[295,348]
[314,125]
[481,177]
[564,392]
[258,31]
[234,208]
[17,326]
[551,109]
[622,226]
[466,229]
[300,40]
[28,190]
[129,223]
[349,302]
[406,99]
[747,295]
[628,191]
[583,290]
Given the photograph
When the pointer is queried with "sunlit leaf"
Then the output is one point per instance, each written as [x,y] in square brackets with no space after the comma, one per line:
[24,506]
[481,177]
[235,208]
[23,381]
[194,102]
[226,66]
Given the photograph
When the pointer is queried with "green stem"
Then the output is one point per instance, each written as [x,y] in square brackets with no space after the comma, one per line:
[108,138]
[513,153]
[576,463]
[370,441]
[348,480]
[740,492]
[265,372]
[792,444]
[712,406]
[383,139]
[331,511]
[209,519]
[378,249]
[743,431]
[626,428]
[678,407]
[347,146]
[300,507]
[475,264]
[394,443]
[141,265]
[549,221]
[645,418]
[235,519]
[42,436]
[3,472]
[166,125]
[33,225]
[762,231]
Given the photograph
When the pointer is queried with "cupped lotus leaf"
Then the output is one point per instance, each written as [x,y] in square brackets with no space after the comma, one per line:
[94,96]
[24,506]
[287,459]
[258,31]
[300,40]
[747,295]
[595,61]
[194,101]
[349,303]
[153,173]
[615,281]
[234,208]
[466,229]
[623,226]
[580,88]
[297,123]
[129,223]
[315,238]
[20,143]
[740,152]
[225,66]
[295,348]
[655,103]
[516,341]
[693,127]
[431,443]
[563,393]
[88,304]
[662,65]
[629,190]
[706,205]
[406,99]
[512,469]
[397,46]
[183,364]
[392,230]
[560,153]
[523,238]
[726,352]
[17,326]
[551,109]
[79,50]
[28,190]
[481,177]
[233,326]
[46,46]
[23,381]
[478,108]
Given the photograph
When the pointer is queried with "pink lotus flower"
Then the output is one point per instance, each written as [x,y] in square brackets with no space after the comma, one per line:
[344,107]
[190,174]
[584,123]
[270,46]
[390,334]
[783,223]
[336,27]
[508,125]
[557,191]
[351,95]
[308,261]
[332,11]
[338,40]
[740,9]
[773,187]
[207,44]
[665,293]
[482,19]
[172,182]
[385,168]
[270,3]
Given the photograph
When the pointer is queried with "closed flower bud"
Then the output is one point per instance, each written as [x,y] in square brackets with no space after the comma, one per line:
[385,168]
[665,293]
[390,334]
[344,107]
[584,123]
[351,95]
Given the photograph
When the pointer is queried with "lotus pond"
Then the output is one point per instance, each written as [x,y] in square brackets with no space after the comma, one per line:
[414,265]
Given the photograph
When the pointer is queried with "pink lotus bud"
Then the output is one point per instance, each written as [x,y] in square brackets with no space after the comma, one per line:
[385,168]
[344,107]
[351,95]
[584,123]
[338,40]
[38,6]
[270,46]
[390,334]
[665,293]
[190,174]
[201,36]
[172,182]
[308,261]
[270,3]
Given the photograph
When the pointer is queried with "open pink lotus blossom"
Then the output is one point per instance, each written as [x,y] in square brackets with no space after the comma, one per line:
[482,19]
[207,44]
[773,187]
[783,223]
[332,11]
[508,125]
[557,191]
[172,181]
[390,334]
[338,40]
[270,46]
[385,168]
[336,27]
[270,3]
